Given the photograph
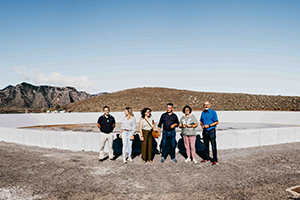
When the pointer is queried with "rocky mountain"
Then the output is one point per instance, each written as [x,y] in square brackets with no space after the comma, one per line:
[25,95]
[157,98]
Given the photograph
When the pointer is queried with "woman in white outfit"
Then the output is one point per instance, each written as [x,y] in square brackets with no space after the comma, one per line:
[127,133]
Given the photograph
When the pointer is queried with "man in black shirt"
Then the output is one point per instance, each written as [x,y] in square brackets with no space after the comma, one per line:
[106,123]
[169,121]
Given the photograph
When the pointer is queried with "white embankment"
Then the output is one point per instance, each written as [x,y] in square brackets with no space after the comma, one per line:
[89,141]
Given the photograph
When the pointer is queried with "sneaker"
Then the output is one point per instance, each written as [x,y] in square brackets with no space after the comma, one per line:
[150,161]
[215,163]
[100,160]
[112,159]
[187,160]
[174,159]
[162,159]
[129,159]
[195,161]
[124,161]
[144,161]
[203,161]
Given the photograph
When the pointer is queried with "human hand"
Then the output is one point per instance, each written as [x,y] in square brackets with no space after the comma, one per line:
[120,136]
[206,126]
[173,126]
[142,138]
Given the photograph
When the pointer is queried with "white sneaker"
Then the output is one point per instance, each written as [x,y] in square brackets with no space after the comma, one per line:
[129,159]
[195,161]
[187,160]
[124,161]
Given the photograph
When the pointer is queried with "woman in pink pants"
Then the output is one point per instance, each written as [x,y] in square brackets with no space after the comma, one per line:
[188,123]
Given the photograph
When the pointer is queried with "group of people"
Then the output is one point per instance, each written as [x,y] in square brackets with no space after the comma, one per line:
[167,125]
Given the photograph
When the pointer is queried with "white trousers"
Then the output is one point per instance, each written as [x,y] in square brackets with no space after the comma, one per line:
[109,138]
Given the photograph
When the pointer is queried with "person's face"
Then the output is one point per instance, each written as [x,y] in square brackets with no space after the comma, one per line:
[169,108]
[206,105]
[187,111]
[126,112]
[147,113]
[106,111]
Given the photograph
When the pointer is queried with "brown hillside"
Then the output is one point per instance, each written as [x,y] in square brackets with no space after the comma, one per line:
[157,98]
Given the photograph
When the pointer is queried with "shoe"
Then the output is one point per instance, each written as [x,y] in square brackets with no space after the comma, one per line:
[174,159]
[144,161]
[187,160]
[100,160]
[203,161]
[195,161]
[215,163]
[112,159]
[162,159]
[129,159]
[124,161]
[150,161]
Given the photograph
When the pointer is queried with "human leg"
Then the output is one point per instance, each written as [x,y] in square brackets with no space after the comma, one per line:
[124,141]
[102,144]
[173,142]
[144,146]
[164,144]
[129,143]
[187,145]
[149,145]
[214,144]
[206,144]
[110,145]
[192,142]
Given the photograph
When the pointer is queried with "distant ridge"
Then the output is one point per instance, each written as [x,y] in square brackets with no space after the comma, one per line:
[26,95]
[156,98]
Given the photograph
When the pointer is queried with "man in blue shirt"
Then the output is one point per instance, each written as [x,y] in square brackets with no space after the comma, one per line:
[169,121]
[209,121]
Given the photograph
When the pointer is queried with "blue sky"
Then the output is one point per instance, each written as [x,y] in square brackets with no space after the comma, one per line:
[215,46]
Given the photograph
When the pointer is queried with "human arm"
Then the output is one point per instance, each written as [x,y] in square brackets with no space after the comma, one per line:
[140,127]
[159,125]
[176,122]
[180,123]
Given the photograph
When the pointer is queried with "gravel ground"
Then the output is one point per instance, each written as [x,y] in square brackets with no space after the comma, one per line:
[251,173]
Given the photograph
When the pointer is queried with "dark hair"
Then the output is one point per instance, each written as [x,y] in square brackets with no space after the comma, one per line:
[144,111]
[106,107]
[170,104]
[183,110]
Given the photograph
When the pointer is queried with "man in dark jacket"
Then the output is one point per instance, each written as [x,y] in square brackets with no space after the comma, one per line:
[106,124]
[169,121]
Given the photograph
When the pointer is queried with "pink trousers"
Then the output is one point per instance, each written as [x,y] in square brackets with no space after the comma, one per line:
[189,143]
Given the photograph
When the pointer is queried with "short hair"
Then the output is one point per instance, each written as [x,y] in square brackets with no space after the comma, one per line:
[106,107]
[143,112]
[170,104]
[183,110]
[129,111]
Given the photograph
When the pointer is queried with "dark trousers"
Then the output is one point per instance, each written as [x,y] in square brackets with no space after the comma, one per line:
[210,136]
[169,137]
[147,145]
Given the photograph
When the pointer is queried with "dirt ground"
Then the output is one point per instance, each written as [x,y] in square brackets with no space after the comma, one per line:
[251,173]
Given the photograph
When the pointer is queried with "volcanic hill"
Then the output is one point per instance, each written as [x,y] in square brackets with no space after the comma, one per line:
[156,98]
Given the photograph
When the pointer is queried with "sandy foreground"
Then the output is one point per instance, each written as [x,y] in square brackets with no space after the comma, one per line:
[251,173]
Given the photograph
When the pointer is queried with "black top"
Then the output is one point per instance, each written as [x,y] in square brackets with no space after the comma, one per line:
[106,123]
[167,120]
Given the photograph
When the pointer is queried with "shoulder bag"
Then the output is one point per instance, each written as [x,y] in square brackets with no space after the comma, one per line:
[154,132]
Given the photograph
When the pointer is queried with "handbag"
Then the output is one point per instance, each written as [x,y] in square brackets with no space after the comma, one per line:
[154,132]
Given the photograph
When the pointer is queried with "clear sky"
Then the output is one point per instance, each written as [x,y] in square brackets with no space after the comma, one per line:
[250,46]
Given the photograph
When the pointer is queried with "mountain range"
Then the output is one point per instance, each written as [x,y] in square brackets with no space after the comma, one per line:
[29,96]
